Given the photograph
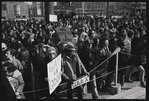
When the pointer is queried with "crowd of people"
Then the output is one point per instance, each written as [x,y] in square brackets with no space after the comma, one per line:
[27,47]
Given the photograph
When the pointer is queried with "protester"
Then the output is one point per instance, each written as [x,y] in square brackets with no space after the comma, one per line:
[73,69]
[29,42]
[9,57]
[15,78]
[139,61]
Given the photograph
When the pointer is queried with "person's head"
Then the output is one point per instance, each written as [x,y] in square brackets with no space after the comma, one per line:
[75,31]
[104,42]
[70,49]
[9,68]
[3,46]
[83,28]
[124,33]
[52,53]
[131,34]
[9,53]
[96,41]
[137,34]
[75,39]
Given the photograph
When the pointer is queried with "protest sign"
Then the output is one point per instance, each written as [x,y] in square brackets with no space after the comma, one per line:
[53,18]
[54,73]
[65,34]
[80,82]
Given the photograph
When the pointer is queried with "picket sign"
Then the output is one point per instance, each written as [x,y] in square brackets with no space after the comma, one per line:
[54,73]
[53,18]
[80,81]
[65,34]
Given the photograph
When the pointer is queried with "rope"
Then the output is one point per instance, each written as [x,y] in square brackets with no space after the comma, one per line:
[101,63]
[128,54]
[69,88]
[89,72]
[34,90]
[100,76]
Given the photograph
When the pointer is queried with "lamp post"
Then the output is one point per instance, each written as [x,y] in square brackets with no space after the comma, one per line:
[46,12]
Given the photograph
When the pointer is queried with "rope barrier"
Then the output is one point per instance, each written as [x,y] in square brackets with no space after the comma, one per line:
[89,72]
[128,54]
[101,63]
[88,82]
[34,90]
[101,76]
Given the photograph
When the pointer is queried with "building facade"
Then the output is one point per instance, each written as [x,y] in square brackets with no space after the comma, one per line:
[36,10]
[12,10]
[90,8]
[139,6]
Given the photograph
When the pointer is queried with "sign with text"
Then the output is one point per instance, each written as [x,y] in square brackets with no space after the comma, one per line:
[53,18]
[65,34]
[80,82]
[54,73]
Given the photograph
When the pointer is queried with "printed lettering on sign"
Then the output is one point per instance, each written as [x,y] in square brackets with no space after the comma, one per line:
[65,34]
[80,81]
[54,73]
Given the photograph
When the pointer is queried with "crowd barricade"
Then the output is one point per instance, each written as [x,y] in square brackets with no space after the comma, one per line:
[121,68]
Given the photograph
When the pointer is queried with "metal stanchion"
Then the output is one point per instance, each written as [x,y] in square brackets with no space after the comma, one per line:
[116,69]
[116,88]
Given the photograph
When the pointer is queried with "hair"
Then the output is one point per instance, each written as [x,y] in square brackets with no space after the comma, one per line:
[12,51]
[10,67]
[130,33]
[103,39]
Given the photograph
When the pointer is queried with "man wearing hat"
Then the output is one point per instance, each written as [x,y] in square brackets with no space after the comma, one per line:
[72,68]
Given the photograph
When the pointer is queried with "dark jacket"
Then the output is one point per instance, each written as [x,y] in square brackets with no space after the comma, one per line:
[141,52]
[6,89]
[73,68]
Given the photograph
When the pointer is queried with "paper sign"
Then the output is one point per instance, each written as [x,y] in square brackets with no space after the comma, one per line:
[53,18]
[80,81]
[65,34]
[54,73]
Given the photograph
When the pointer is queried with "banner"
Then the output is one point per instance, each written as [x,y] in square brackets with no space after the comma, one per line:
[54,73]
[65,34]
[80,82]
[53,18]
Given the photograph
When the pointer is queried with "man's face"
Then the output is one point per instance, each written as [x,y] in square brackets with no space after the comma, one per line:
[8,55]
[71,54]
[106,43]
[52,55]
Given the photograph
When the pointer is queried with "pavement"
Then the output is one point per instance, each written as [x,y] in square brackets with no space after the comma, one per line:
[128,91]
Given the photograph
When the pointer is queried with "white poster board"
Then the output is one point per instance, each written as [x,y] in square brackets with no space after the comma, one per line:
[65,34]
[53,18]
[54,73]
[80,82]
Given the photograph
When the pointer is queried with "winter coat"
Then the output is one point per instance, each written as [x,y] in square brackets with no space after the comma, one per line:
[73,69]
[17,83]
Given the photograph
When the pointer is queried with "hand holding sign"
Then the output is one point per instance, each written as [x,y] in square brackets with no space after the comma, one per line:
[80,81]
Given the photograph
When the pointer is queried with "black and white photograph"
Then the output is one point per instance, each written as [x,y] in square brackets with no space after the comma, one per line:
[73,50]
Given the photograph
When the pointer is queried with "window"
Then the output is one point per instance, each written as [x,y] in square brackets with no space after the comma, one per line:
[4,6]
[23,16]
[18,17]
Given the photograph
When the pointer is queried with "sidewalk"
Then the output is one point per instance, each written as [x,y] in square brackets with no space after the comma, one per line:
[128,88]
